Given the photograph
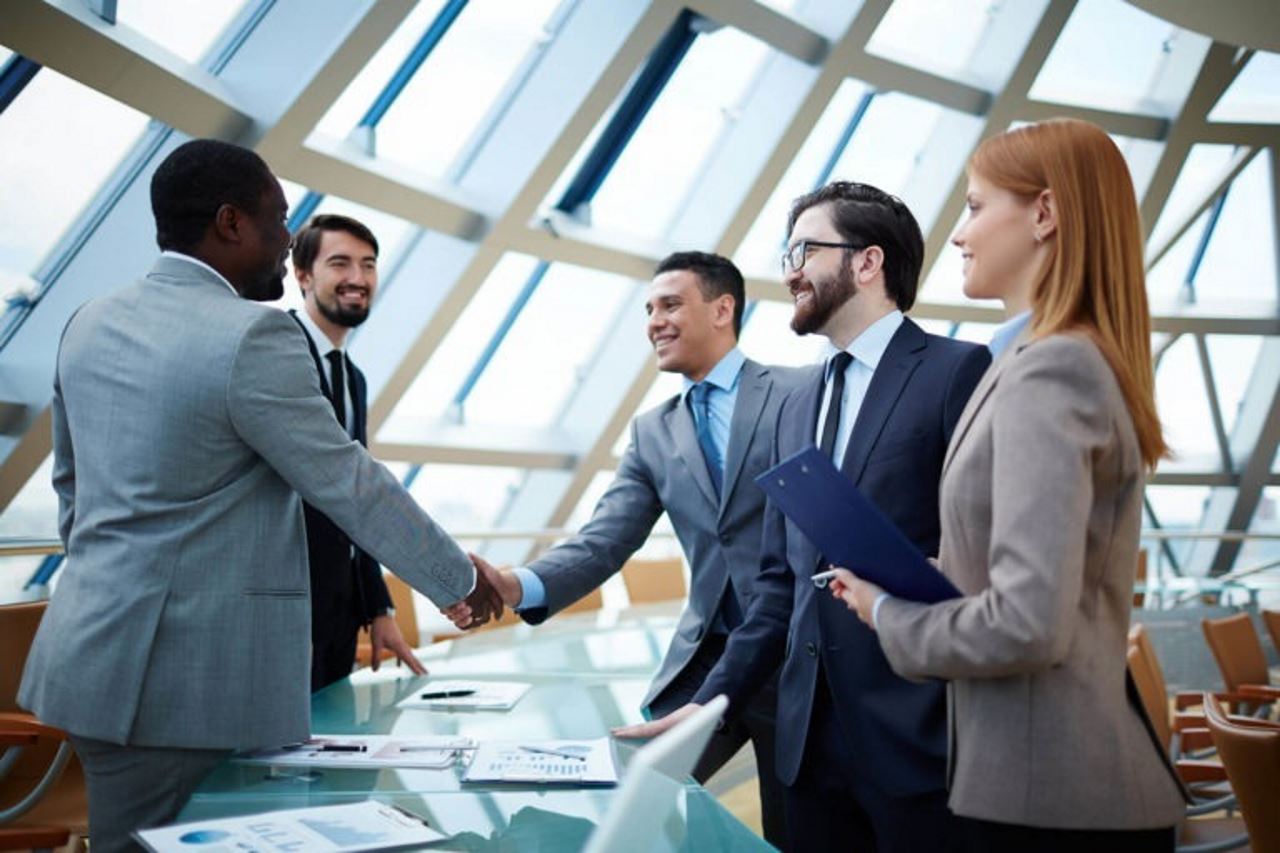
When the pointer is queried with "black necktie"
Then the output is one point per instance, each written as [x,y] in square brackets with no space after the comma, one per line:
[839,364]
[699,402]
[337,383]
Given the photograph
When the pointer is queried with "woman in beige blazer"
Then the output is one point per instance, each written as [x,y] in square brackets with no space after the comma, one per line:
[1041,507]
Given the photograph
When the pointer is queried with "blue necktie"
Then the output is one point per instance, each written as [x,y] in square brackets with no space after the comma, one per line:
[699,401]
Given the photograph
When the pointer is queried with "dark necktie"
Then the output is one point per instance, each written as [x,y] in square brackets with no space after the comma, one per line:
[698,400]
[337,383]
[839,364]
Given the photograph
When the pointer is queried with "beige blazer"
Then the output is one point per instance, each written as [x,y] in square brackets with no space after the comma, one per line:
[1041,506]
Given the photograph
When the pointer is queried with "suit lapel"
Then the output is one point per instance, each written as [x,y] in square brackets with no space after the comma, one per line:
[359,409]
[900,360]
[680,424]
[315,357]
[753,392]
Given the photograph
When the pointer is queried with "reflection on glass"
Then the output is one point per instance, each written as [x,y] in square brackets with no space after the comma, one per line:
[1254,95]
[59,141]
[187,28]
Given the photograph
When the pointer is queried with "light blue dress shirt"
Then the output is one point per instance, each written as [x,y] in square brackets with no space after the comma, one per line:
[867,349]
[723,380]
[1007,332]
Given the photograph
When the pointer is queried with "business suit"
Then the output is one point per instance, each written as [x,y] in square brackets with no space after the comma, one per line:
[664,469]
[347,589]
[1041,507]
[836,689]
[187,422]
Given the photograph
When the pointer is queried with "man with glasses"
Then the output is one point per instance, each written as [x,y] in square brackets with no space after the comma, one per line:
[861,752]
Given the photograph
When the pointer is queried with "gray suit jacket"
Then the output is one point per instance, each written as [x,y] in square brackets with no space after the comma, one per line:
[187,421]
[663,469]
[1041,507]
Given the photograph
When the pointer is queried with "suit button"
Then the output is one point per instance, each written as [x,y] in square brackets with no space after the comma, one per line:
[811,649]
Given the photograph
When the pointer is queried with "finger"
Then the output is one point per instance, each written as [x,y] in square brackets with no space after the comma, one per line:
[405,655]
[639,730]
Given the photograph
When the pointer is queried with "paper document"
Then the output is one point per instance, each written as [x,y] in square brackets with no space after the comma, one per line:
[368,825]
[567,762]
[848,530]
[467,695]
[364,751]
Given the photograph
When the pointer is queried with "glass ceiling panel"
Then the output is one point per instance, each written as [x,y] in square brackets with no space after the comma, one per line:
[1179,507]
[1255,94]
[5,55]
[945,281]
[1239,264]
[1184,410]
[768,339]
[449,97]
[59,141]
[1233,358]
[1204,164]
[187,28]
[544,355]
[465,498]
[1112,55]
[935,35]
[34,510]
[664,387]
[1167,279]
[657,168]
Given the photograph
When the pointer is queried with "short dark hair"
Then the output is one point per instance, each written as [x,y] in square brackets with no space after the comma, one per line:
[867,216]
[306,243]
[716,276]
[196,179]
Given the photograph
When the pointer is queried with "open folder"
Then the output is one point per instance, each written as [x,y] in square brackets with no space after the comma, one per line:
[848,530]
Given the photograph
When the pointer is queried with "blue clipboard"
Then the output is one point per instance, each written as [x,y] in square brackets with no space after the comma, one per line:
[848,530]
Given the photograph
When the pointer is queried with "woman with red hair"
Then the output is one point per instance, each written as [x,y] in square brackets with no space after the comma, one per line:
[1041,501]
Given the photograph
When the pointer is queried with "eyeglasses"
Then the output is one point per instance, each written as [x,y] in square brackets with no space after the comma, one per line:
[793,258]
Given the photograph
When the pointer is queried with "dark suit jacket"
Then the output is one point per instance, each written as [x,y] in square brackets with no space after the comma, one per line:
[345,592]
[894,456]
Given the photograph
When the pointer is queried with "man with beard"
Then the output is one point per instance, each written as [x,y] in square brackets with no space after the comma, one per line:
[861,752]
[335,260]
[187,423]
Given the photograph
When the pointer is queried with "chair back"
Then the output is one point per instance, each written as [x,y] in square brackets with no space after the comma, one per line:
[654,580]
[402,601]
[18,624]
[1251,756]
[1237,649]
[1154,701]
[1271,618]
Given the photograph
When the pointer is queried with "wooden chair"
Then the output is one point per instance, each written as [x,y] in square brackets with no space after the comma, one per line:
[654,580]
[42,794]
[1238,650]
[1271,618]
[1250,751]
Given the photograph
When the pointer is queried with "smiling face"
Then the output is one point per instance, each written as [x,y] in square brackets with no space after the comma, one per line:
[341,282]
[998,243]
[689,333]
[825,282]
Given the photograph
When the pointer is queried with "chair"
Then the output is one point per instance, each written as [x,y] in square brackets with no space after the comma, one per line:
[654,580]
[1238,650]
[42,795]
[1271,618]
[1250,751]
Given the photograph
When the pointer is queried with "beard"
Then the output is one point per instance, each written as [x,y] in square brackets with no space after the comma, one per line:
[335,313]
[828,296]
[267,287]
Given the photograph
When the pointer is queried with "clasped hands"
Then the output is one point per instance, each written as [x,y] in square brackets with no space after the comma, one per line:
[494,590]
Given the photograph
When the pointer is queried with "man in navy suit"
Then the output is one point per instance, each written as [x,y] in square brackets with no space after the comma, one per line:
[861,752]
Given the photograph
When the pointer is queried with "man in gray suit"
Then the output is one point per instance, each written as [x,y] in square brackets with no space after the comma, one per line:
[187,421]
[694,457]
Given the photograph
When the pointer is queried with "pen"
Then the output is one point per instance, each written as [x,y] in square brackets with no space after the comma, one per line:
[543,750]
[448,694]
[342,747]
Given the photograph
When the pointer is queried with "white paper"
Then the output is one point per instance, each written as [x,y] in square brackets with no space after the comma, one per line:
[368,825]
[432,752]
[485,695]
[569,762]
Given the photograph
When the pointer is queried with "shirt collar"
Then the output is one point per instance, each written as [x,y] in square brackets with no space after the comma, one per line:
[1008,332]
[169,253]
[724,375]
[323,345]
[869,347]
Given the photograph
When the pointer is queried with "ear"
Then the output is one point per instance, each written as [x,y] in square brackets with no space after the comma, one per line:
[723,310]
[1045,216]
[228,223]
[303,277]
[869,264]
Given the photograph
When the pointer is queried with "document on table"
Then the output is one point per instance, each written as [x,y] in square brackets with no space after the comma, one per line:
[849,530]
[364,752]
[461,695]
[564,762]
[367,825]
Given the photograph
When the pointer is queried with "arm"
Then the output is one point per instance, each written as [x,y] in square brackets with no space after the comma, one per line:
[1048,424]
[964,378]
[64,465]
[275,404]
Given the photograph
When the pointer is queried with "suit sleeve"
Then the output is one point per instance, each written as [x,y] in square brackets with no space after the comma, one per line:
[622,521]
[964,378]
[756,647]
[1049,424]
[275,405]
[64,465]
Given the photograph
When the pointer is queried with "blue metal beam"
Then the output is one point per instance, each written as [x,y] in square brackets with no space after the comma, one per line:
[14,77]
[859,112]
[303,210]
[443,21]
[1202,247]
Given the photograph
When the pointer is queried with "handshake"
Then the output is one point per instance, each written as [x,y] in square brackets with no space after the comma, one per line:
[495,589]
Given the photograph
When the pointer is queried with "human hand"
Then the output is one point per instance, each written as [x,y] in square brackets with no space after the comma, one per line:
[384,633]
[653,728]
[485,601]
[858,595]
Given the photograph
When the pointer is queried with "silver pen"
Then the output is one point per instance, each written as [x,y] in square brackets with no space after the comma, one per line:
[545,750]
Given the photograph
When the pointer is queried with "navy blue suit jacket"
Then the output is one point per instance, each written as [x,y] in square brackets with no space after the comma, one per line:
[894,456]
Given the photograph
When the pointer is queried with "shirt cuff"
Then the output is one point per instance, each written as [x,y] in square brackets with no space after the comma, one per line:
[875,609]
[533,592]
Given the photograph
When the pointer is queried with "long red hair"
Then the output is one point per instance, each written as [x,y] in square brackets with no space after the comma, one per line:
[1094,279]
